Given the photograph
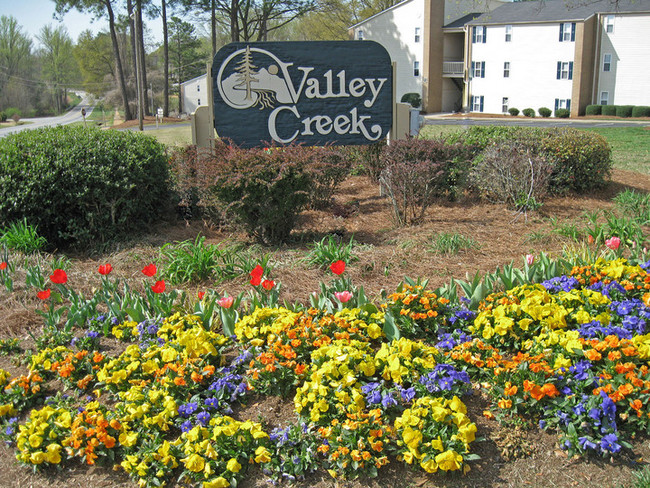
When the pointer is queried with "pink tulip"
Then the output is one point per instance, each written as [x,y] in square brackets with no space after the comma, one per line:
[343,296]
[530,259]
[613,243]
[226,302]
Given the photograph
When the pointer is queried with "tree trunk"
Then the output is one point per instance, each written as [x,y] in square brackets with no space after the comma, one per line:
[118,60]
[129,11]
[143,59]
[234,25]
[166,61]
[139,61]
[213,18]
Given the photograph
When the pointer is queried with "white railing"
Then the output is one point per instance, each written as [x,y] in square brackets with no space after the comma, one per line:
[453,68]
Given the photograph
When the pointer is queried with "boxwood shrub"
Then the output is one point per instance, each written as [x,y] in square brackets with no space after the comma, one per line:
[609,110]
[593,110]
[624,110]
[544,111]
[82,186]
[513,111]
[529,112]
[641,111]
[562,113]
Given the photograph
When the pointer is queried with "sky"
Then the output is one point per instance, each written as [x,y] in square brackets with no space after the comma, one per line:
[32,15]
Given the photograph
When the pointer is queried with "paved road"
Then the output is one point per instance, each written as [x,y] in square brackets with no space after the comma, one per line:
[74,115]
[528,122]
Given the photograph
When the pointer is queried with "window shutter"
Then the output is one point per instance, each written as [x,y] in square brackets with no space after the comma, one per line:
[559,70]
[573,31]
[481,103]
[471,72]
[484,34]
[474,34]
[482,69]
[561,31]
[571,70]
[568,104]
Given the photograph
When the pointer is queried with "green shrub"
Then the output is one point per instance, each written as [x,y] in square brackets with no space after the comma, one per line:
[480,137]
[641,111]
[529,112]
[609,110]
[366,159]
[419,171]
[593,110]
[562,113]
[263,190]
[413,98]
[544,112]
[581,160]
[82,186]
[513,111]
[11,111]
[3,117]
[624,110]
[22,237]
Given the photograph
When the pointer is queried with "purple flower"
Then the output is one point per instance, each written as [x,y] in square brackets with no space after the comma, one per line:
[186,426]
[407,394]
[608,443]
[585,443]
[203,418]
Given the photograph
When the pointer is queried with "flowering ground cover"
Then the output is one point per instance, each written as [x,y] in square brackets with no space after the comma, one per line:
[403,387]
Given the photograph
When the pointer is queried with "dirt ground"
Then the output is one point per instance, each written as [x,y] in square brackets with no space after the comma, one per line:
[386,255]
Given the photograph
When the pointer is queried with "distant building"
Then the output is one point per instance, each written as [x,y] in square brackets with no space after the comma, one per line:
[194,92]
[552,53]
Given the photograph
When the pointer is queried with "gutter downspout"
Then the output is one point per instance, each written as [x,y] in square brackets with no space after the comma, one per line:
[594,88]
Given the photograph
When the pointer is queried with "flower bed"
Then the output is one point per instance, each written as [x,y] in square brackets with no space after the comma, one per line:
[570,355]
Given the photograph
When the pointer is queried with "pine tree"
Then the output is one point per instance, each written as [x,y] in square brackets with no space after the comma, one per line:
[247,72]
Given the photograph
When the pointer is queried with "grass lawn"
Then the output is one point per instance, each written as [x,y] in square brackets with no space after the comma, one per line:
[173,136]
[630,147]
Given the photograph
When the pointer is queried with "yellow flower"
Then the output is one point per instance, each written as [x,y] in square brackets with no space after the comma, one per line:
[233,465]
[429,466]
[374,331]
[262,455]
[35,440]
[412,438]
[219,482]
[194,463]
[128,439]
[53,454]
[449,460]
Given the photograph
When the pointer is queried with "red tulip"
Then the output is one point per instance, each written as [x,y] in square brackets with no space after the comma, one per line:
[226,302]
[149,270]
[3,265]
[59,277]
[105,269]
[268,284]
[159,287]
[256,275]
[44,295]
[201,295]
[337,267]
[613,243]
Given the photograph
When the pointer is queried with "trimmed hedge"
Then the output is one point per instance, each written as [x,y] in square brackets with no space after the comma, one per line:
[82,186]
[529,112]
[593,110]
[544,111]
[562,113]
[513,111]
[624,110]
[641,111]
[609,110]
[413,98]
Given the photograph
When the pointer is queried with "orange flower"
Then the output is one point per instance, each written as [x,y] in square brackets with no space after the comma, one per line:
[510,389]
[593,355]
[196,377]
[614,355]
[179,381]
[503,403]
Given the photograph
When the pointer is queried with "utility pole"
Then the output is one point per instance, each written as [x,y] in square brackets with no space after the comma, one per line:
[138,68]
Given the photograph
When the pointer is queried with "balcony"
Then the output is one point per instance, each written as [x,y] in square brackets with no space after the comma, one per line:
[453,69]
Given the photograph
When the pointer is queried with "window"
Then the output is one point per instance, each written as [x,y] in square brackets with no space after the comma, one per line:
[477,103]
[416,68]
[478,69]
[607,62]
[198,102]
[564,70]
[609,24]
[360,34]
[568,32]
[479,34]
[198,88]
[417,34]
[508,33]
[506,69]
[504,105]
[563,103]
[604,98]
